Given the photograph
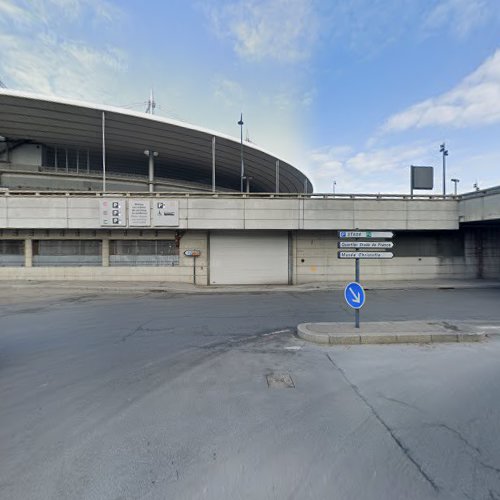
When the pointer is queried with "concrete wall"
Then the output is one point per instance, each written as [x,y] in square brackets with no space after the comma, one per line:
[226,212]
[315,260]
[482,250]
[182,273]
[481,206]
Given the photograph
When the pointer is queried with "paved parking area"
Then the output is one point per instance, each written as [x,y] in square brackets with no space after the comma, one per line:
[163,395]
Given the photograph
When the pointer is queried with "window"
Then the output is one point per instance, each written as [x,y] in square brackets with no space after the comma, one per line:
[67,253]
[143,253]
[11,252]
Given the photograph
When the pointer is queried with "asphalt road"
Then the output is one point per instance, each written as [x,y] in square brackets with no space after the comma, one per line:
[160,396]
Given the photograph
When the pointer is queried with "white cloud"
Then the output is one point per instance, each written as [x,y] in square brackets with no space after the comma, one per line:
[473,102]
[460,16]
[229,92]
[373,170]
[283,30]
[39,53]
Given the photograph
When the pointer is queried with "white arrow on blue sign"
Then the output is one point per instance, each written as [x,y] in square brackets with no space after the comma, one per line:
[354,295]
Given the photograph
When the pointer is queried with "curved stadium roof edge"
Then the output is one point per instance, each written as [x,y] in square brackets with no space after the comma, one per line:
[291,178]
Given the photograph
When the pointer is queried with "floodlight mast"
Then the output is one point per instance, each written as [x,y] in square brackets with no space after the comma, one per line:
[444,151]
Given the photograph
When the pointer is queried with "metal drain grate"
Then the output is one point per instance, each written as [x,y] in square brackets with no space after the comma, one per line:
[280,381]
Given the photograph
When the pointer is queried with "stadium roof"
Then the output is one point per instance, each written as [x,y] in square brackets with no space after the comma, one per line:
[185,151]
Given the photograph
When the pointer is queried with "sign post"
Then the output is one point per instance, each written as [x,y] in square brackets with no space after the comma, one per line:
[194,254]
[356,311]
[354,293]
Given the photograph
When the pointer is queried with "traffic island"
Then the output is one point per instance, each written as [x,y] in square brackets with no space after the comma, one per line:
[389,332]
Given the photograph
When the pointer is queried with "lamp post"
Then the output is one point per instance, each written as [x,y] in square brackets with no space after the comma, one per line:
[444,151]
[333,186]
[456,181]
[242,173]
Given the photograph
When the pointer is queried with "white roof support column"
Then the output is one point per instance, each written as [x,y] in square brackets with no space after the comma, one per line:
[277,176]
[103,152]
[213,164]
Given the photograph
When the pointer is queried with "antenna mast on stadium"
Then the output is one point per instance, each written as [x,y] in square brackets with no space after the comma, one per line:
[151,104]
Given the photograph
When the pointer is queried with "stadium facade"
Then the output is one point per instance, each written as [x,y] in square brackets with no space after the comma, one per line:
[93,192]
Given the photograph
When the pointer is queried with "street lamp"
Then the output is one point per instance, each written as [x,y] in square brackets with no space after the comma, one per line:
[456,181]
[151,164]
[333,186]
[242,173]
[444,151]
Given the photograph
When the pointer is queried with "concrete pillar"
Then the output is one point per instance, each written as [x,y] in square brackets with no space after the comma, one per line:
[28,253]
[105,253]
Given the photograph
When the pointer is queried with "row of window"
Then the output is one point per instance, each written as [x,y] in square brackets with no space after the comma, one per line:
[89,253]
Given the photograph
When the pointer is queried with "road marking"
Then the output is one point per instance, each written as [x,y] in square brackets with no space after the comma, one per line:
[275,332]
[293,348]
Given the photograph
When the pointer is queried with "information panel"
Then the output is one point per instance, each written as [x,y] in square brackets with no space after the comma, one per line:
[112,212]
[165,213]
[139,213]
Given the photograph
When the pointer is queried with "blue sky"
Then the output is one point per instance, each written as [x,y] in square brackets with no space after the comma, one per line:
[353,91]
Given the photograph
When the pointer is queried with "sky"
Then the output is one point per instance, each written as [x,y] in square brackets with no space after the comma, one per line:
[351,92]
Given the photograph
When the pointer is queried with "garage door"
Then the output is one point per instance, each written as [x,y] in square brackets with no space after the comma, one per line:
[248,258]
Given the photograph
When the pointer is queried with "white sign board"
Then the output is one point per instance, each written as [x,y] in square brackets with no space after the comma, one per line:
[112,212]
[365,255]
[366,234]
[165,213]
[139,213]
[366,244]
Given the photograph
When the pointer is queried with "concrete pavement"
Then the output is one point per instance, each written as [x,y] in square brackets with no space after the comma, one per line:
[154,286]
[212,397]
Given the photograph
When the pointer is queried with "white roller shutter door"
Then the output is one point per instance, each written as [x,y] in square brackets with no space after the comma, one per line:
[248,258]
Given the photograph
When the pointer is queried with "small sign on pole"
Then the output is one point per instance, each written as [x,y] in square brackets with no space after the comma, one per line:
[354,295]
[366,234]
[365,244]
[365,255]
[193,253]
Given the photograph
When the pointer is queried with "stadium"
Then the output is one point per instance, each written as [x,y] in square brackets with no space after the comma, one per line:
[92,192]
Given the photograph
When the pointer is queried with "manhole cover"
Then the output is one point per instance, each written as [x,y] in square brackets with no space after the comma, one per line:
[280,381]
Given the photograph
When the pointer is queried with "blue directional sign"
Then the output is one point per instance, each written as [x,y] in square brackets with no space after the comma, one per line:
[354,295]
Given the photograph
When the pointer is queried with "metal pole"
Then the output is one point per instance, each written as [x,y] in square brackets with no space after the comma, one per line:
[213,164]
[356,311]
[55,158]
[444,174]
[194,270]
[443,150]
[103,152]
[151,170]
[277,176]
[240,123]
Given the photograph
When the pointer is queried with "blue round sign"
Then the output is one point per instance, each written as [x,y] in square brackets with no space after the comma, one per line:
[354,295]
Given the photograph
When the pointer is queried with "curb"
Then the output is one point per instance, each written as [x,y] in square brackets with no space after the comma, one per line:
[305,333]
